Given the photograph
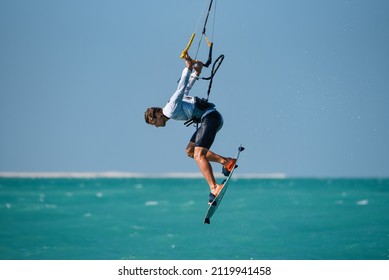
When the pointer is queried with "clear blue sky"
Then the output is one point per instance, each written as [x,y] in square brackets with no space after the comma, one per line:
[304,86]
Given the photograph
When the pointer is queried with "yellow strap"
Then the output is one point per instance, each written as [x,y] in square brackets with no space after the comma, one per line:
[208,42]
[185,51]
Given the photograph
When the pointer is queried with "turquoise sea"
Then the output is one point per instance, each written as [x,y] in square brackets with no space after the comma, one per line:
[162,218]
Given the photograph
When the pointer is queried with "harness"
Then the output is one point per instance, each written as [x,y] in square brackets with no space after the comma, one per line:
[201,107]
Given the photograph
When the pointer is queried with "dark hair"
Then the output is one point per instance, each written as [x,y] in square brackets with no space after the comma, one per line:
[151,113]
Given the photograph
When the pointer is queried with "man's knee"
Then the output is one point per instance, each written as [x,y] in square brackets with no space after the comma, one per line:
[190,150]
[199,153]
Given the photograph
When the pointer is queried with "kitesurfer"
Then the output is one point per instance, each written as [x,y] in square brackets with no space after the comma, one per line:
[183,107]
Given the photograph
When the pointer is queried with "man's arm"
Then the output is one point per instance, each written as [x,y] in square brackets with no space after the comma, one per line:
[176,98]
[184,81]
[197,66]
[193,78]
[185,84]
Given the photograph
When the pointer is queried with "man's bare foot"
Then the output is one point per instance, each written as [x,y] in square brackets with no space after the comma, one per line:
[214,193]
[217,190]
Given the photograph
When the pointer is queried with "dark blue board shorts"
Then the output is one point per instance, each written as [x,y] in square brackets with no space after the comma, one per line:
[206,133]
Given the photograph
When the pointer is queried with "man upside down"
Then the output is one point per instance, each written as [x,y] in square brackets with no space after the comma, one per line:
[183,107]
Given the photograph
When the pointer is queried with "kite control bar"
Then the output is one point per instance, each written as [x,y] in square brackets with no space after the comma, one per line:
[210,44]
[185,51]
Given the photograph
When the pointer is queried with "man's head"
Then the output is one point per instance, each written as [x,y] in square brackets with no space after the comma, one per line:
[155,116]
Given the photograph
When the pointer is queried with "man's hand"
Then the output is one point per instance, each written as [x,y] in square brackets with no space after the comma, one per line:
[189,62]
[193,64]
[198,66]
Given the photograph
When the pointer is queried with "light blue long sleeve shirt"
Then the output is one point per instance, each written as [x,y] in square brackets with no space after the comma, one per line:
[181,105]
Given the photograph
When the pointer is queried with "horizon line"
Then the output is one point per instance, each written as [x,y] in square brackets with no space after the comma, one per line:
[116,174]
[168,175]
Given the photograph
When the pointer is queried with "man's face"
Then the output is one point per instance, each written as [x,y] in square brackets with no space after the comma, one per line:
[157,120]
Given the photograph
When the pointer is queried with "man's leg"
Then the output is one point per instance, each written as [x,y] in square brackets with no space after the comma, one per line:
[199,146]
[211,156]
[200,156]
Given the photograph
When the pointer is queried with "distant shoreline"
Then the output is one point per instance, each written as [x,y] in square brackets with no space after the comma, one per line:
[92,175]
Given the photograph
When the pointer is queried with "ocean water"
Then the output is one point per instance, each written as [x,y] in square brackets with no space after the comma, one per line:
[162,218]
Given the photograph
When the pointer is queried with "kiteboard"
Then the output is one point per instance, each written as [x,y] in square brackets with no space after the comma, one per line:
[216,202]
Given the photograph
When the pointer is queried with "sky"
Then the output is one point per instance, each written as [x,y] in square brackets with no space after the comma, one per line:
[304,85]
